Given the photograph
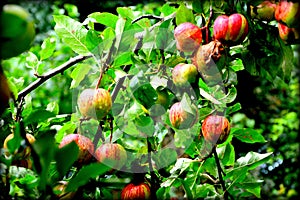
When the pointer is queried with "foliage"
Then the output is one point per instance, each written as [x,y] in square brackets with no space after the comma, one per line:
[133,56]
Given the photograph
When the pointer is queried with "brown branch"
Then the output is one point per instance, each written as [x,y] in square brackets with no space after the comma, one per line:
[220,173]
[50,74]
[146,16]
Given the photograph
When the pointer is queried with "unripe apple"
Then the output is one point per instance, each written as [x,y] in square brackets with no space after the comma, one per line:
[264,11]
[188,37]
[180,118]
[17,31]
[233,28]
[111,154]
[136,191]
[24,151]
[162,103]
[85,146]
[184,74]
[288,35]
[95,103]
[288,13]
[215,129]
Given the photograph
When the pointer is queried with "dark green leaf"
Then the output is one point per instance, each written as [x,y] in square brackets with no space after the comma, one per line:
[38,116]
[165,157]
[248,135]
[85,174]
[65,157]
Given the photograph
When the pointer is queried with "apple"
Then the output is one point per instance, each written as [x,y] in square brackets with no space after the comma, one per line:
[208,57]
[230,29]
[111,154]
[85,145]
[264,11]
[94,103]
[180,118]
[24,151]
[188,37]
[5,93]
[288,13]
[17,31]
[215,129]
[136,191]
[288,35]
[184,74]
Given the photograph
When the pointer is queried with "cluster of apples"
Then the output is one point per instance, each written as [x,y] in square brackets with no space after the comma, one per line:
[227,30]
[286,13]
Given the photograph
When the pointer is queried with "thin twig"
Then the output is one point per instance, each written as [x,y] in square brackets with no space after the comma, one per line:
[220,173]
[146,16]
[98,135]
[50,74]
[153,181]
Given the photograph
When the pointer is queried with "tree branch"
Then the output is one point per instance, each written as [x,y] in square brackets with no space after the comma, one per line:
[220,173]
[50,74]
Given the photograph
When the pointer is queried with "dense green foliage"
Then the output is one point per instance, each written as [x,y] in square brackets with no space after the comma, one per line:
[131,56]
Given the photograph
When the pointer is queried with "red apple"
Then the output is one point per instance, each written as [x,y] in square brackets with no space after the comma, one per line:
[184,74]
[95,103]
[288,35]
[111,154]
[288,13]
[233,28]
[85,145]
[136,191]
[215,129]
[180,118]
[188,37]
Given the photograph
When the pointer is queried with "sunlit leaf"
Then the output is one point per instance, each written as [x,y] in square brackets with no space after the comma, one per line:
[72,32]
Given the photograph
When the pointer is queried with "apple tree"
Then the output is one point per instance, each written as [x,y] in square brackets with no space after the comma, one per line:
[144,107]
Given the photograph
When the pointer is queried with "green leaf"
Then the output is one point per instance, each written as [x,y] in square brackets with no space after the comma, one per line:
[123,59]
[65,157]
[48,48]
[44,146]
[67,128]
[164,157]
[93,40]
[231,109]
[166,9]
[237,65]
[85,174]
[78,74]
[252,187]
[252,160]
[226,154]
[248,135]
[72,33]
[287,61]
[143,91]
[37,116]
[184,14]
[105,18]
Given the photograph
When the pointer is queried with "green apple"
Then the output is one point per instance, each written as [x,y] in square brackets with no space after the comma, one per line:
[17,31]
